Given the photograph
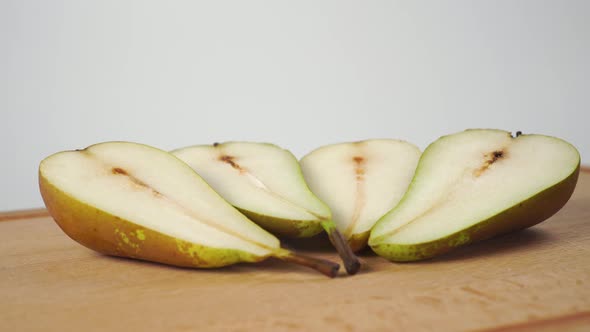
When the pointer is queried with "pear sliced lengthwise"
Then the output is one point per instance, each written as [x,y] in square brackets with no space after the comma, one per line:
[265,183]
[474,185]
[132,200]
[360,182]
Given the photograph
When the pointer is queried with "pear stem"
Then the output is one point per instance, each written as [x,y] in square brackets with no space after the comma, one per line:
[351,262]
[324,266]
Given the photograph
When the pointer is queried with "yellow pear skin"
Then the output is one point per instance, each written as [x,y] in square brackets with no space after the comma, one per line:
[111,235]
[132,200]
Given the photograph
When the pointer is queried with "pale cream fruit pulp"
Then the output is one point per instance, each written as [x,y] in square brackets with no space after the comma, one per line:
[168,196]
[256,177]
[360,181]
[469,177]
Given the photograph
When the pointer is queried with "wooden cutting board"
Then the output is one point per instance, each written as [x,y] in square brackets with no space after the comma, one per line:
[534,280]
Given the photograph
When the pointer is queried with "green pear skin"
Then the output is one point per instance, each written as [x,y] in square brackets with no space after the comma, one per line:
[111,235]
[521,216]
[412,237]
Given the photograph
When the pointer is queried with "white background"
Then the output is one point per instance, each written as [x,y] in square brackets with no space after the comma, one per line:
[298,73]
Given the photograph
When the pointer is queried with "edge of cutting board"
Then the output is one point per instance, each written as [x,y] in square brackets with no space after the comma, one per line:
[23,214]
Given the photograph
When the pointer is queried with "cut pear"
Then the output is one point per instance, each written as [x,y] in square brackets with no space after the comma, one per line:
[265,183]
[474,185]
[360,182]
[132,200]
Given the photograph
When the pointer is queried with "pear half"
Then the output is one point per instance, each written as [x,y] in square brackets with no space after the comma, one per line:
[360,182]
[474,185]
[132,200]
[265,183]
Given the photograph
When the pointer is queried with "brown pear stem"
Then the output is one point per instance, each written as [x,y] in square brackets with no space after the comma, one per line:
[324,266]
[351,262]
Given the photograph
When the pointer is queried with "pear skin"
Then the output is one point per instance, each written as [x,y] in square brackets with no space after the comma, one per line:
[87,192]
[286,228]
[474,185]
[265,183]
[524,215]
[108,234]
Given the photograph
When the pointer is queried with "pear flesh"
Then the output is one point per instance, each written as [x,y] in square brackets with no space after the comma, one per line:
[360,181]
[474,185]
[132,200]
[265,183]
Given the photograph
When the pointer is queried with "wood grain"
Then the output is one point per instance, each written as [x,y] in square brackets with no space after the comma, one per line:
[534,280]
[573,323]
